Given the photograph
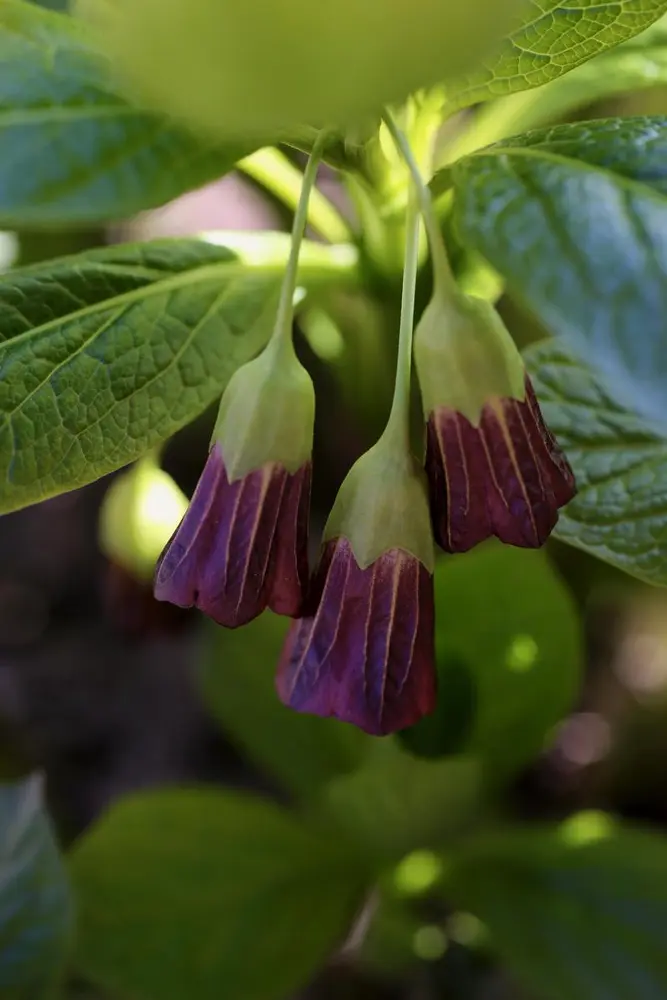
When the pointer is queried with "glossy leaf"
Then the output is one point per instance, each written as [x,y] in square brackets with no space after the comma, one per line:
[576,911]
[302,751]
[620,511]
[396,803]
[583,247]
[522,668]
[72,149]
[200,893]
[555,36]
[104,354]
[635,148]
[35,905]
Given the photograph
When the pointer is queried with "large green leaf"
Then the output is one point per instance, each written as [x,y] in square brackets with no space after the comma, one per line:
[104,354]
[302,751]
[583,247]
[35,906]
[620,511]
[71,148]
[555,37]
[201,893]
[577,912]
[523,666]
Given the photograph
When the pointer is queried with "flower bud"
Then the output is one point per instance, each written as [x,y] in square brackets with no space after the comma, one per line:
[139,512]
[364,652]
[242,545]
[493,466]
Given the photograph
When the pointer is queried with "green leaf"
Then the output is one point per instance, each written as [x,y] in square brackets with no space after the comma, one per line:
[576,911]
[72,149]
[555,37]
[302,751]
[396,803]
[35,906]
[634,148]
[583,247]
[104,354]
[524,664]
[638,64]
[201,893]
[620,511]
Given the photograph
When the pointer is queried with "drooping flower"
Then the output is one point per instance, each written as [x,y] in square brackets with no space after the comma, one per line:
[242,545]
[364,651]
[493,466]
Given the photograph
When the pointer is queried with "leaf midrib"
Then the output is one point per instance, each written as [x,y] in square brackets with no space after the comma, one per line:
[196,276]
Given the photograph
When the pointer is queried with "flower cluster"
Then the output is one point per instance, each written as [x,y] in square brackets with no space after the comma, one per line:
[361,647]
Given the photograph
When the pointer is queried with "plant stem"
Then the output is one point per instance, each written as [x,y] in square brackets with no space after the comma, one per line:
[273,171]
[398,425]
[443,279]
[281,338]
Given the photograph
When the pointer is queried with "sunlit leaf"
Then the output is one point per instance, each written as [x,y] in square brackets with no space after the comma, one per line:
[104,354]
[555,36]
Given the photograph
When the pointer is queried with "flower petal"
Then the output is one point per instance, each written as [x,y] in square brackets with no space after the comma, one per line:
[505,477]
[231,555]
[366,654]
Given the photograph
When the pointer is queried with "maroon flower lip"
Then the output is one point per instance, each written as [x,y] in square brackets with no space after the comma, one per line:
[242,547]
[506,477]
[365,652]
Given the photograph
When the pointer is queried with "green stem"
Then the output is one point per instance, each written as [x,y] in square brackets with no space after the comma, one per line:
[398,425]
[273,171]
[443,278]
[281,339]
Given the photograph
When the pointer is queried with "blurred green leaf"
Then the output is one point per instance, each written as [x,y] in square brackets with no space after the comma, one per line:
[554,37]
[35,906]
[584,248]
[504,613]
[71,148]
[449,727]
[620,512]
[106,353]
[302,751]
[577,911]
[230,72]
[190,893]
[61,5]
[396,803]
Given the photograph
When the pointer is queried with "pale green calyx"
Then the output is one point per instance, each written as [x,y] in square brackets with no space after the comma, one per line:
[141,510]
[383,505]
[267,413]
[465,356]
